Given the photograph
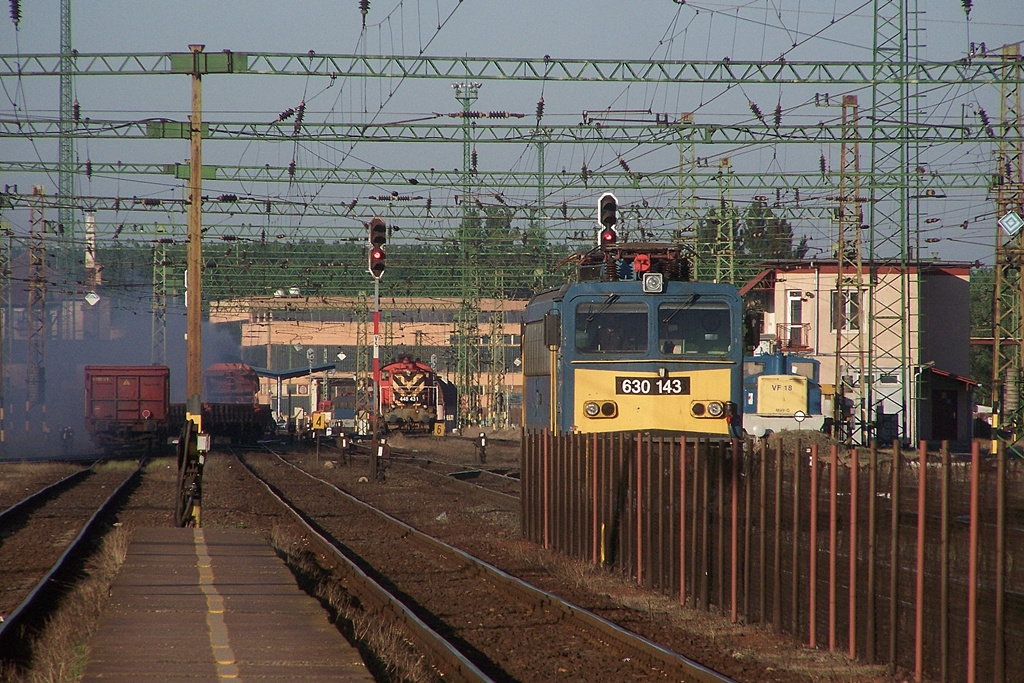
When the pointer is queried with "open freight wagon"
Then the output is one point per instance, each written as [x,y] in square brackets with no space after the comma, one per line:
[127,407]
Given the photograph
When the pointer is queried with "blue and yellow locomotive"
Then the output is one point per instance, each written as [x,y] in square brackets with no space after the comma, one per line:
[634,346]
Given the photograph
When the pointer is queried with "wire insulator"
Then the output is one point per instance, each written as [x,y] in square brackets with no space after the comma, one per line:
[821,164]
[286,114]
[88,168]
[299,113]
[429,202]
[16,12]
[540,109]
[966,3]
[266,206]
[364,7]
[778,115]
[585,174]
[472,158]
[757,110]
[291,169]
[624,165]
[228,198]
[76,111]
[983,115]
[565,210]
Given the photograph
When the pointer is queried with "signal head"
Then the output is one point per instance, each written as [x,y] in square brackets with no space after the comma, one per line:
[608,210]
[377,261]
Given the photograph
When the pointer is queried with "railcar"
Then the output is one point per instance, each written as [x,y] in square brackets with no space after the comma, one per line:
[127,407]
[781,391]
[413,398]
[340,400]
[231,407]
[634,345]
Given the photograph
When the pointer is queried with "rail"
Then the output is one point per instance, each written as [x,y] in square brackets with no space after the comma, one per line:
[643,649]
[11,629]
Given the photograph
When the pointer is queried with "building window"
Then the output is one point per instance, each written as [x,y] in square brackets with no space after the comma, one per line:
[847,315]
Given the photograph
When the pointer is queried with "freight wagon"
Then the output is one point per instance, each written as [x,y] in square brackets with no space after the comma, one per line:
[127,407]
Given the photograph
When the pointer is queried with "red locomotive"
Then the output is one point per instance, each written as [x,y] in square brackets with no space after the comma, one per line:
[413,397]
[231,407]
[127,407]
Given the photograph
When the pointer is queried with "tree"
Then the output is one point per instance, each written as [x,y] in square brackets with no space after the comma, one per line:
[767,237]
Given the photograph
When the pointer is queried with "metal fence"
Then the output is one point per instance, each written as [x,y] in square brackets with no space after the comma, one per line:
[802,541]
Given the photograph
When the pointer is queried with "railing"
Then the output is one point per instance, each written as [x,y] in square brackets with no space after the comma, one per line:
[793,336]
[767,535]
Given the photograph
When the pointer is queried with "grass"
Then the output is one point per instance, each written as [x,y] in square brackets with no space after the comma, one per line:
[62,643]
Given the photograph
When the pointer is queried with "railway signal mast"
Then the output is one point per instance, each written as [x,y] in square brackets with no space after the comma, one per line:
[378,233]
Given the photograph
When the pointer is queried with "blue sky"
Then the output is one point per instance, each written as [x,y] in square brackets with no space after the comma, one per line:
[812,30]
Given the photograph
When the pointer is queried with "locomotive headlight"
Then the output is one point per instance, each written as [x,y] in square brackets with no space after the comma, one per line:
[603,409]
[715,409]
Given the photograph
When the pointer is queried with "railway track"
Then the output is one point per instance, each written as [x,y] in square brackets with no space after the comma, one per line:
[496,624]
[33,574]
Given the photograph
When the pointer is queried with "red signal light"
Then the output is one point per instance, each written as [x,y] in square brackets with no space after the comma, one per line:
[608,236]
[377,262]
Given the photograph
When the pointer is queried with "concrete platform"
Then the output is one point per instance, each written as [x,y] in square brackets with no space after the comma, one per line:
[214,604]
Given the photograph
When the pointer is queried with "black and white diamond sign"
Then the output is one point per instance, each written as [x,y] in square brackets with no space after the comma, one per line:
[1011,223]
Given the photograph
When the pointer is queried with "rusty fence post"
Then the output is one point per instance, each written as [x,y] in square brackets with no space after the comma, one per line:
[638,489]
[719,564]
[705,520]
[922,491]
[894,554]
[869,618]
[546,489]
[999,646]
[944,569]
[854,546]
[697,507]
[682,520]
[594,468]
[795,596]
[747,467]
[812,574]
[972,568]
[734,530]
[762,537]
[833,542]
[777,542]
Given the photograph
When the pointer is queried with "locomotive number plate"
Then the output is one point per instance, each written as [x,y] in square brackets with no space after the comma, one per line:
[653,386]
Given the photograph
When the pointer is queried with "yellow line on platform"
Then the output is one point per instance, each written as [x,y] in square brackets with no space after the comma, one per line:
[219,642]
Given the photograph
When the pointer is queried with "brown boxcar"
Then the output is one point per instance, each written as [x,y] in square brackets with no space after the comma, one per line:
[126,406]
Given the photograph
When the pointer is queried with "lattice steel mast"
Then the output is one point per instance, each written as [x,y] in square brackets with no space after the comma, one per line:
[1007,314]
[66,177]
[467,317]
[850,341]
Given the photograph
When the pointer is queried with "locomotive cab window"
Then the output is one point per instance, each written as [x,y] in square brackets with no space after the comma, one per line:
[687,329]
[611,327]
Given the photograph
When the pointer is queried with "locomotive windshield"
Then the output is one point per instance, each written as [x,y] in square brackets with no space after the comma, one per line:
[686,328]
[611,327]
